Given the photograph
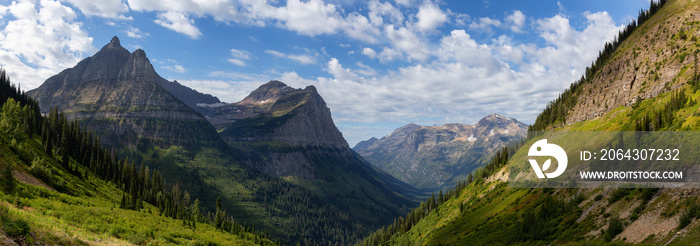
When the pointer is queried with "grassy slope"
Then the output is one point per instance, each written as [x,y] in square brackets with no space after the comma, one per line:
[87,210]
[492,212]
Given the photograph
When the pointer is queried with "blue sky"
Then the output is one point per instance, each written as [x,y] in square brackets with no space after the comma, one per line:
[378,64]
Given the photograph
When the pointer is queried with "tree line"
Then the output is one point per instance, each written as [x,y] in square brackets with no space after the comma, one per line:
[654,120]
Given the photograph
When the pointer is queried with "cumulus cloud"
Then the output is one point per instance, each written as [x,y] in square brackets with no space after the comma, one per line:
[446,77]
[41,40]
[388,54]
[430,17]
[303,59]
[516,21]
[565,45]
[369,52]
[465,82]
[113,9]
[178,22]
[484,23]
[381,13]
[224,10]
[134,32]
[408,42]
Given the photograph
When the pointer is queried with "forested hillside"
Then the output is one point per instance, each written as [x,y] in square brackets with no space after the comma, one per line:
[60,186]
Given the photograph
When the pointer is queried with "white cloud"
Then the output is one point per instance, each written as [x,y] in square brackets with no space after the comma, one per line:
[238,56]
[484,23]
[237,62]
[369,52]
[405,3]
[461,19]
[134,32]
[430,17]
[338,72]
[170,65]
[113,9]
[467,81]
[460,47]
[388,54]
[358,27]
[379,11]
[178,22]
[311,18]
[567,46]
[40,41]
[303,59]
[175,68]
[408,42]
[516,20]
[221,10]
[366,70]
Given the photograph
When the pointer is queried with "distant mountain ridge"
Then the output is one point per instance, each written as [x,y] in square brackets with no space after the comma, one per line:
[434,157]
[187,95]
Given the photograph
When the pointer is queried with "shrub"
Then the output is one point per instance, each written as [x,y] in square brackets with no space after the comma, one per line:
[614,228]
[688,215]
[41,172]
[598,197]
[9,182]
[617,195]
[16,228]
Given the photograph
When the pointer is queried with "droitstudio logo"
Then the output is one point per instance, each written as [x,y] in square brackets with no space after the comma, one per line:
[542,148]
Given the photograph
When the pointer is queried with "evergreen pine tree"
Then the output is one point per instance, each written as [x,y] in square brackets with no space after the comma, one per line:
[8,180]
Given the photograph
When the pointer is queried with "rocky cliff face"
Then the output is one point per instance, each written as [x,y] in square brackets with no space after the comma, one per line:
[119,95]
[277,112]
[660,59]
[434,157]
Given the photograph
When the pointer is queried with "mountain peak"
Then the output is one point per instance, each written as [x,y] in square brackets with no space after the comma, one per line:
[274,83]
[269,92]
[138,53]
[494,118]
[114,43]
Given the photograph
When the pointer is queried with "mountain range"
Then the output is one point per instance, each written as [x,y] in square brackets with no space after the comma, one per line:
[277,160]
[109,152]
[437,157]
